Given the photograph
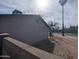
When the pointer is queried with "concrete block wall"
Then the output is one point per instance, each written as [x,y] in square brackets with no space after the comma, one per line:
[17,53]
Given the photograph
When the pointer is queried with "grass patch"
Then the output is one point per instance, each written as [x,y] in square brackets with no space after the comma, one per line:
[72,34]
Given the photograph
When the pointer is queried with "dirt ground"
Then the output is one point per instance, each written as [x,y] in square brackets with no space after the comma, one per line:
[65,46]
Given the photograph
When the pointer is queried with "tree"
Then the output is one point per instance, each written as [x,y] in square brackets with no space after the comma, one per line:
[54,27]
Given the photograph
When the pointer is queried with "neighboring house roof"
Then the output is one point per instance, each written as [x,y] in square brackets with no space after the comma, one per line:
[16,12]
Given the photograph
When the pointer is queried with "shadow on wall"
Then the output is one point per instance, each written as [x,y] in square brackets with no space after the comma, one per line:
[46,45]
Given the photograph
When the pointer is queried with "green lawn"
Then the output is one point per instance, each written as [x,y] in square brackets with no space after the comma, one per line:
[72,34]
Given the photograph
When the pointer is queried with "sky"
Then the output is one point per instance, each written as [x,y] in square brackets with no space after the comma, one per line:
[50,10]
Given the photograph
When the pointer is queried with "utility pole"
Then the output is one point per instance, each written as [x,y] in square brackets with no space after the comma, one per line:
[62,3]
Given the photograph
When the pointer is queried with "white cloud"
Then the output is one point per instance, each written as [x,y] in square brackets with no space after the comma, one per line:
[52,11]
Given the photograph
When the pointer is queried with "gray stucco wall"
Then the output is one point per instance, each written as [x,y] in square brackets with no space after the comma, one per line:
[26,28]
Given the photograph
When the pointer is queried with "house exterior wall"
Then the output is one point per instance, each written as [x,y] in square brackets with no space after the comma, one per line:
[26,28]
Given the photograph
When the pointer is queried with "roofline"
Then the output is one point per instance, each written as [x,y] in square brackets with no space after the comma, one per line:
[17,14]
[46,24]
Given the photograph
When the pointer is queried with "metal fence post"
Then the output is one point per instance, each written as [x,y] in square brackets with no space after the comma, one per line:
[1,43]
[1,46]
